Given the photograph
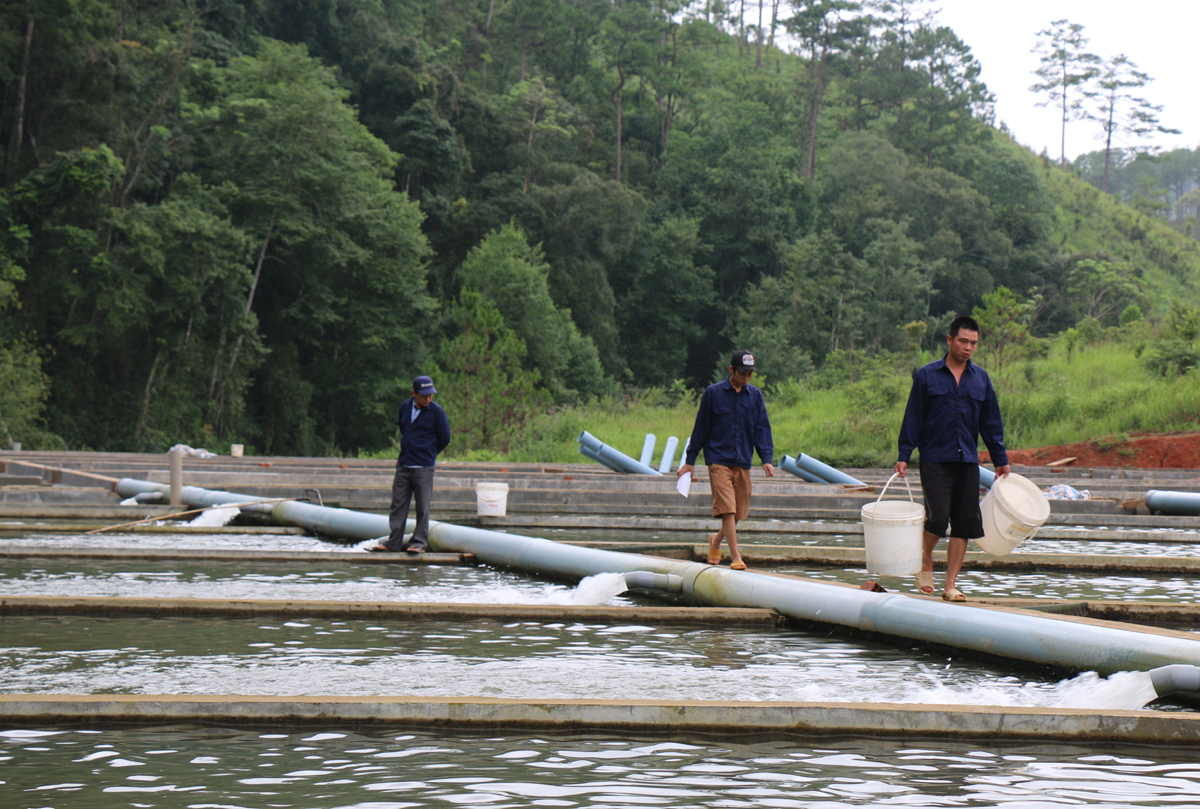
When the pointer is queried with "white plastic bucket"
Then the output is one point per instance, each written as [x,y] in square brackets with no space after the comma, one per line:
[235,450]
[1012,510]
[892,530]
[491,499]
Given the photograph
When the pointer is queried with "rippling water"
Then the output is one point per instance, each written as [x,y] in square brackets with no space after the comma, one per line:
[214,768]
[527,659]
[542,660]
[193,578]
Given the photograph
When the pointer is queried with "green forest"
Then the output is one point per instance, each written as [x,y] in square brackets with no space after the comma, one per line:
[254,221]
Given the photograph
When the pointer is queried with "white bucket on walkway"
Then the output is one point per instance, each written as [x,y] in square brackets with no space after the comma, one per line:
[892,530]
[491,499]
[1012,510]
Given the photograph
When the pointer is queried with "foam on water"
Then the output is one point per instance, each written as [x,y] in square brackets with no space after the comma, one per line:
[212,517]
[1123,691]
[593,591]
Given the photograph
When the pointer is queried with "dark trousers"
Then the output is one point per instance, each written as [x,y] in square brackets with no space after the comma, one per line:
[409,484]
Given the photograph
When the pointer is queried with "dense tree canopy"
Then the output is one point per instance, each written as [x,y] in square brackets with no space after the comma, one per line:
[256,220]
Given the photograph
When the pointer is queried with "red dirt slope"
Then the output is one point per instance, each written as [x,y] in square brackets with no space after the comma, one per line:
[1139,450]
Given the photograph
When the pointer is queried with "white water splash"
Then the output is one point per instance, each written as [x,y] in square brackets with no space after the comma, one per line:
[1123,691]
[212,517]
[595,590]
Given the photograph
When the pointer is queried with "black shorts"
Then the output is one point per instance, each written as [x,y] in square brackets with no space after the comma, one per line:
[952,498]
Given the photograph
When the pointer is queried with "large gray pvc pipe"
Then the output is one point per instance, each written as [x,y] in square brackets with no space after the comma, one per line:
[668,456]
[788,464]
[1021,636]
[321,520]
[1066,644]
[824,471]
[595,456]
[622,460]
[648,449]
[1173,502]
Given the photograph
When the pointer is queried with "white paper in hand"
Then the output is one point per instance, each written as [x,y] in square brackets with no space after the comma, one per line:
[683,482]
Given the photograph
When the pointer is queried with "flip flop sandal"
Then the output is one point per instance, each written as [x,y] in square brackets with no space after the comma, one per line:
[714,556]
[737,565]
[953,594]
[925,582]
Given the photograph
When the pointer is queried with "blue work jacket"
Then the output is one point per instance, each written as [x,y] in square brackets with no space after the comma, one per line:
[945,419]
[730,426]
[422,438]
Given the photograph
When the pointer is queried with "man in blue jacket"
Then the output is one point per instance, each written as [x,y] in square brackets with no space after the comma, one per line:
[424,432]
[731,424]
[951,405]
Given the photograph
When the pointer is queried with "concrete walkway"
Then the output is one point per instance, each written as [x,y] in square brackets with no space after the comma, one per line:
[633,716]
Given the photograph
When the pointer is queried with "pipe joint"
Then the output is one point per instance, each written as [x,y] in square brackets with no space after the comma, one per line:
[662,582]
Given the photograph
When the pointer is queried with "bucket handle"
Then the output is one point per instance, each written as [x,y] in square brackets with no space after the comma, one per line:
[889,483]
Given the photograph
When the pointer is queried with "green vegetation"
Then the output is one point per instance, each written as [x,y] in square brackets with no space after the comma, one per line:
[254,221]
[1105,388]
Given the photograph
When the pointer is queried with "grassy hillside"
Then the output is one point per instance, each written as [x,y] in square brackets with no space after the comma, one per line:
[1102,389]
[1088,221]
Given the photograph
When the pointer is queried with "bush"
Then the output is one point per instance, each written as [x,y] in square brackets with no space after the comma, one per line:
[1171,358]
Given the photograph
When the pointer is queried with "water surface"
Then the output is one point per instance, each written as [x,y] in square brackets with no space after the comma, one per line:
[216,768]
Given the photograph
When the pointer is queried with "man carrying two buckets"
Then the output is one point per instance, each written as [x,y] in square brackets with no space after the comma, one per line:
[951,405]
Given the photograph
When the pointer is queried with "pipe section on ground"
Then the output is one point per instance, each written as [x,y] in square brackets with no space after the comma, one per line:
[1183,503]
[620,459]
[595,456]
[824,471]
[668,456]
[788,464]
[648,449]
[1073,645]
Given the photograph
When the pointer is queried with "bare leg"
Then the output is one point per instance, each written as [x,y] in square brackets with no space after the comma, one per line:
[925,576]
[729,531]
[955,554]
[930,542]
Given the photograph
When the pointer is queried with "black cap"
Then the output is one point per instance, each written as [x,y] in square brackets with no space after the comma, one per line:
[743,361]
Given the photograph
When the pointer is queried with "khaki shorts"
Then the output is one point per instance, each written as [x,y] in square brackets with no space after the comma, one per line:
[730,490]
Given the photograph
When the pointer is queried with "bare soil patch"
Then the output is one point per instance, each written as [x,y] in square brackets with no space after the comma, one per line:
[1137,450]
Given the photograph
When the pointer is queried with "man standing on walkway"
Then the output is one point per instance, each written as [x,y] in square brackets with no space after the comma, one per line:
[952,403]
[424,432]
[731,424]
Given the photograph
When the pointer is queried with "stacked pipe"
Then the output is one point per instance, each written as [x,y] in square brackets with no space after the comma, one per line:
[592,447]
[812,470]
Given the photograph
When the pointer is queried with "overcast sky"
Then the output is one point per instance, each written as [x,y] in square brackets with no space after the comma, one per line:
[1158,35]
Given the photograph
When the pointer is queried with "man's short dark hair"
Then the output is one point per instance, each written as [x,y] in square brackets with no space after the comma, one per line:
[963,322]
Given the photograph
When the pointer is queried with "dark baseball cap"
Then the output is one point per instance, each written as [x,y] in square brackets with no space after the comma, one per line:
[423,385]
[743,361]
